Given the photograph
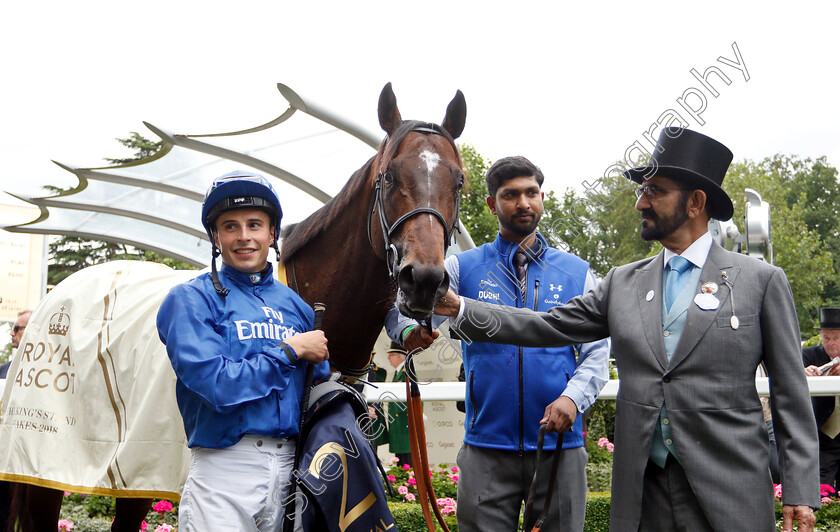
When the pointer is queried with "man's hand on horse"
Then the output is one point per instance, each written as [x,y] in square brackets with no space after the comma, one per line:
[448,305]
[310,346]
[804,515]
[560,414]
[418,338]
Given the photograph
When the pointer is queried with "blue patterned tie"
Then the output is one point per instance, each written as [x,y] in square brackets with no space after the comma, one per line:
[677,266]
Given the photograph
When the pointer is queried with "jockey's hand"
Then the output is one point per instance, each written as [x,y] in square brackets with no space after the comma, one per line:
[310,346]
[804,515]
[560,414]
[418,338]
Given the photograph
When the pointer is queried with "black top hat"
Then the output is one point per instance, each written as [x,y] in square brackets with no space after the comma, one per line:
[397,348]
[693,159]
[829,318]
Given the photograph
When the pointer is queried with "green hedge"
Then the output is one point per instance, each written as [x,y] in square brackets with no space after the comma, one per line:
[409,516]
[599,476]
[597,512]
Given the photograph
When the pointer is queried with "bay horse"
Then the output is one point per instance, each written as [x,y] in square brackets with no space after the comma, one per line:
[383,236]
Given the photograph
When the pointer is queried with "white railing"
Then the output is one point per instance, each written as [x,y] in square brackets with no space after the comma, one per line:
[454,391]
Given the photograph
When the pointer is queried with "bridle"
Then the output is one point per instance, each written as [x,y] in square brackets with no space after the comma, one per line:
[377,203]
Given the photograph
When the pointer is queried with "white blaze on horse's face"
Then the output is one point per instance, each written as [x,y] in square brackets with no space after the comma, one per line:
[432,160]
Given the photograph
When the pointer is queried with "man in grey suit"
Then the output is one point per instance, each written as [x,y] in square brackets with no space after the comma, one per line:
[691,447]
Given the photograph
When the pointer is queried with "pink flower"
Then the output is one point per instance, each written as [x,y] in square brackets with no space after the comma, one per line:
[144,525]
[410,497]
[610,447]
[64,524]
[826,489]
[392,478]
[66,493]
[395,460]
[825,499]
[777,490]
[602,442]
[402,490]
[446,501]
[431,473]
[406,467]
[162,507]
[164,528]
[412,482]
[454,478]
[454,469]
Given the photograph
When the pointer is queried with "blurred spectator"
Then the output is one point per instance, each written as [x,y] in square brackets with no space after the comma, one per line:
[17,336]
[826,409]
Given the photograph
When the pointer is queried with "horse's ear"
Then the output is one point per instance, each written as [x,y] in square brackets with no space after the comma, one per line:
[389,115]
[456,115]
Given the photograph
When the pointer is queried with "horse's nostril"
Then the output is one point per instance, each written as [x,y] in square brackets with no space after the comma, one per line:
[406,278]
[422,285]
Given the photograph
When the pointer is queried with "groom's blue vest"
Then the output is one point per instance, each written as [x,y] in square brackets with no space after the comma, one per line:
[509,387]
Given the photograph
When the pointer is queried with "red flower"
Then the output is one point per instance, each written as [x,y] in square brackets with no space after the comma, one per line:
[162,507]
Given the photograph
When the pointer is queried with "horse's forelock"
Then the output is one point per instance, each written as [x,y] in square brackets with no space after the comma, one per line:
[389,148]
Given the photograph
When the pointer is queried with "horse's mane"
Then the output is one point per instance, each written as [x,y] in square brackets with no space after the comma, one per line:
[298,235]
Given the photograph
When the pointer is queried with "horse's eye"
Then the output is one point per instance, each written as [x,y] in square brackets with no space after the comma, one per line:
[460,181]
[388,178]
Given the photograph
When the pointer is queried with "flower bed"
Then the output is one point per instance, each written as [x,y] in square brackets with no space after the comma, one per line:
[93,513]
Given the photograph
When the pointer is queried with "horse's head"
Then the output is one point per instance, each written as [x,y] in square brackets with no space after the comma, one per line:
[419,176]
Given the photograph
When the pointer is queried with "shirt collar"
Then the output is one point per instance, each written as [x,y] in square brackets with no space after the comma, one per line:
[243,278]
[697,252]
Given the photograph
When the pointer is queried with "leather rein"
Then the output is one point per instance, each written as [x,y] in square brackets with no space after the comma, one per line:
[416,425]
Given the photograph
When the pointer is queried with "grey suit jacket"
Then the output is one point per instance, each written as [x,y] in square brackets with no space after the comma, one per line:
[708,387]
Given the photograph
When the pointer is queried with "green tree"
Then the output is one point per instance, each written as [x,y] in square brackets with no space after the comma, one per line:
[600,225]
[143,148]
[475,214]
[803,196]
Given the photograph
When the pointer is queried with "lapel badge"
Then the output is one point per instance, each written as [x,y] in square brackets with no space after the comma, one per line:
[649,295]
[709,288]
[706,301]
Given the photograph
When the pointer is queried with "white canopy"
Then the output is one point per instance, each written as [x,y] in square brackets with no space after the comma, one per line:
[155,203]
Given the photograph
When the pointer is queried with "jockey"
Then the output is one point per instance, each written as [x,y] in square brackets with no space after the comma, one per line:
[239,342]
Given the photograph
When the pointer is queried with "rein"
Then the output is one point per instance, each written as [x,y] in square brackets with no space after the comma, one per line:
[377,204]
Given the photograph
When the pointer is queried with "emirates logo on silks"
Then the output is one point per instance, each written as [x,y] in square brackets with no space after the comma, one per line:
[59,323]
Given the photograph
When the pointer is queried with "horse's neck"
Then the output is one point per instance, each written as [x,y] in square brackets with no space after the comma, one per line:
[339,268]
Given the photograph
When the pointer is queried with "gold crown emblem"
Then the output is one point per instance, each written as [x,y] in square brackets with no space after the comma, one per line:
[59,323]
